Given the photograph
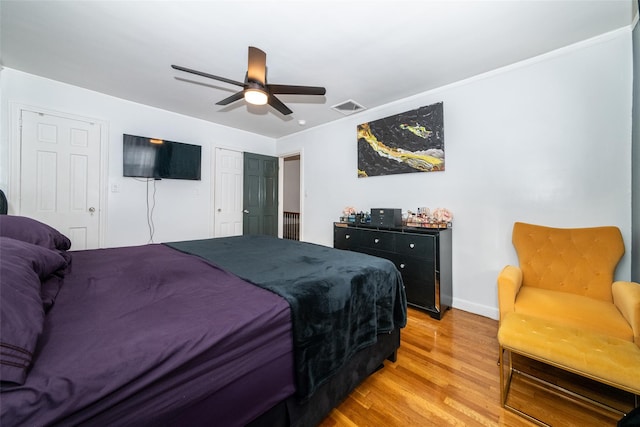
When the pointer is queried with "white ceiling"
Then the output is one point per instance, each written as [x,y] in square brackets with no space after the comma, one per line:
[372,52]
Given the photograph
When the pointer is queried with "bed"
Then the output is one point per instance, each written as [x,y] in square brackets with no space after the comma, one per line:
[247,330]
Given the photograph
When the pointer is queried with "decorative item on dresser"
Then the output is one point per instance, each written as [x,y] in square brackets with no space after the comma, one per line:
[422,255]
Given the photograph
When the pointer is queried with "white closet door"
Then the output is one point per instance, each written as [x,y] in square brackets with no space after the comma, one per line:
[228,193]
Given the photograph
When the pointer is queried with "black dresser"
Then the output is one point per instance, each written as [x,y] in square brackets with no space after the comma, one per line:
[422,255]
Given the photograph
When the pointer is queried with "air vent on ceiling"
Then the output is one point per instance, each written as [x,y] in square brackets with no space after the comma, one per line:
[348,107]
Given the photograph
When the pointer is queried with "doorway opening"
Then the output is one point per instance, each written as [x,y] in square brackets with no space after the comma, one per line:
[291,198]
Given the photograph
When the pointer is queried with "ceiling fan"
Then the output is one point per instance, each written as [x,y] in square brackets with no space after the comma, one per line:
[256,90]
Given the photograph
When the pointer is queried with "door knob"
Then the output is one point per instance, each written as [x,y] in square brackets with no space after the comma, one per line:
[219,210]
[245,211]
[92,209]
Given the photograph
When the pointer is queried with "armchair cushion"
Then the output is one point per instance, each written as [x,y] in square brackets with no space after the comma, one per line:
[575,311]
[581,261]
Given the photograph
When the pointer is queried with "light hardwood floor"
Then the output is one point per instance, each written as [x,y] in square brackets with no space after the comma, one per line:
[447,374]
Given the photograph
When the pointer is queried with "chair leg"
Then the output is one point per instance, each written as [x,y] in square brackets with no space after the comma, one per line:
[501,365]
[505,387]
[505,383]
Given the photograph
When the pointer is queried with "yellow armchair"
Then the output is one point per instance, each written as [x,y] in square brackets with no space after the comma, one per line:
[560,306]
[566,275]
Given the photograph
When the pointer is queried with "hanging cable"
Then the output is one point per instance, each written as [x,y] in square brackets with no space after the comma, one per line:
[150,208]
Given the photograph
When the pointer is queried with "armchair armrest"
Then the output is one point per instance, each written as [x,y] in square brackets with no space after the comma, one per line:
[509,283]
[626,296]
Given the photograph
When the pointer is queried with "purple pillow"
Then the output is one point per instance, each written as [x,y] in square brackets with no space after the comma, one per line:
[49,290]
[23,268]
[31,231]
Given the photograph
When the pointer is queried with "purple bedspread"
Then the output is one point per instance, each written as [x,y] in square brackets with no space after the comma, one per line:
[140,335]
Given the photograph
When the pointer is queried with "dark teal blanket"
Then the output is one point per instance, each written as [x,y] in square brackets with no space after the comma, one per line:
[340,300]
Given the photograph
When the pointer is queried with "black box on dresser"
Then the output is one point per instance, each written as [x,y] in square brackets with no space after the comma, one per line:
[385,217]
[421,254]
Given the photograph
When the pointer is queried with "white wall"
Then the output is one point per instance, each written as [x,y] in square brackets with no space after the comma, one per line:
[183,209]
[546,141]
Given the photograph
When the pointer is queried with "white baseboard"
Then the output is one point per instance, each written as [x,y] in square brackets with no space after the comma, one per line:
[471,307]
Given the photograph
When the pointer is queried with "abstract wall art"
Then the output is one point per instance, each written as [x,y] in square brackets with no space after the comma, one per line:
[408,142]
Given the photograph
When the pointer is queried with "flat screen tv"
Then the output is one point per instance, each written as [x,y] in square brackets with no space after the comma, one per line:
[155,158]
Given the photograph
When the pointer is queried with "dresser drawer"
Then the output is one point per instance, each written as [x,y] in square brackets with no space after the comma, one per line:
[421,294]
[376,240]
[344,238]
[416,245]
[413,267]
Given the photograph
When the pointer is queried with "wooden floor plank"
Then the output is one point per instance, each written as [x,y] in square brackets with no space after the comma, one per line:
[447,374]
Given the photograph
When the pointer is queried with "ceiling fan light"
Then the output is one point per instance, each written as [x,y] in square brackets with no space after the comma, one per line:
[255,96]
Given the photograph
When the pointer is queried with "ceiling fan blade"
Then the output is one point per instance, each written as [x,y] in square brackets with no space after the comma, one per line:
[297,90]
[236,96]
[211,76]
[278,105]
[257,70]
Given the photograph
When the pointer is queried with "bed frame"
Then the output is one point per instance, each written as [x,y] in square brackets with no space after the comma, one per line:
[292,413]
